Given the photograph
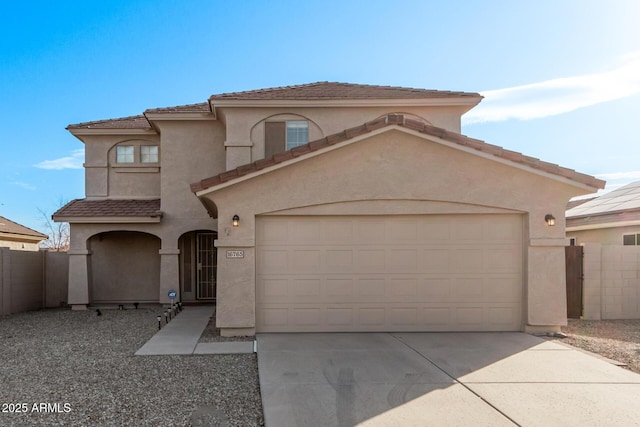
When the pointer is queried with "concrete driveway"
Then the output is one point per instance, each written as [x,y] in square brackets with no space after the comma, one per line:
[439,379]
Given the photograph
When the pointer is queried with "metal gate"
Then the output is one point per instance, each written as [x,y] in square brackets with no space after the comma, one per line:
[575,277]
[207,259]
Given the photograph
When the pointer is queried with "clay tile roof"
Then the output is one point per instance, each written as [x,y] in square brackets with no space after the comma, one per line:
[398,120]
[10,227]
[336,90]
[83,208]
[202,107]
[141,122]
[132,122]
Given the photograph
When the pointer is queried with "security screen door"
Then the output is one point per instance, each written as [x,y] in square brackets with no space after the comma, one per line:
[207,262]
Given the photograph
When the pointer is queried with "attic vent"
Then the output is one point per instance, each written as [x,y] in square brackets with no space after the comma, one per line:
[394,118]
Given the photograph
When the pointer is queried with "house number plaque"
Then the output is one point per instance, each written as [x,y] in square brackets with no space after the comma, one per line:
[235,254]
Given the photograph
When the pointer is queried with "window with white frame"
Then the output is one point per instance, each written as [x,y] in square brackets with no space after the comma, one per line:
[631,239]
[124,154]
[149,153]
[297,133]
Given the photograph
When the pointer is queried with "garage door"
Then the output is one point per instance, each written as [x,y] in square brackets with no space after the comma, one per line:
[389,273]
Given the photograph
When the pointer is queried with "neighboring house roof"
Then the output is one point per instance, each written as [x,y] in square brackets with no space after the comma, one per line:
[619,207]
[401,121]
[109,208]
[15,230]
[311,91]
[336,90]
[573,203]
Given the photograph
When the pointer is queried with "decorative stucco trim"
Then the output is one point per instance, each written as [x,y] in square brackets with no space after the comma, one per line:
[604,225]
[235,243]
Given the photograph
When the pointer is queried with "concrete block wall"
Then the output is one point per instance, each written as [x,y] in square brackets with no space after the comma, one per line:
[613,273]
[24,279]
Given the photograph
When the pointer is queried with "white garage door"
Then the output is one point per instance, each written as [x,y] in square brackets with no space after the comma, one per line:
[389,273]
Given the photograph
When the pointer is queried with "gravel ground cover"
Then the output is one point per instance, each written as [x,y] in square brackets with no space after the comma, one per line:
[615,339]
[212,334]
[82,368]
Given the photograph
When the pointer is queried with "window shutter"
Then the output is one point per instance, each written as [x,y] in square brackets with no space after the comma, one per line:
[274,138]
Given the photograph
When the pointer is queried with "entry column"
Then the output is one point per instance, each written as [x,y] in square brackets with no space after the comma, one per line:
[169,274]
[78,293]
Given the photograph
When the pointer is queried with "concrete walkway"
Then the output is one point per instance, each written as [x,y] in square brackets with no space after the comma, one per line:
[443,379]
[181,335]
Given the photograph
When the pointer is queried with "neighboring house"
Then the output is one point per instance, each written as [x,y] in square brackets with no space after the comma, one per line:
[19,237]
[388,220]
[610,219]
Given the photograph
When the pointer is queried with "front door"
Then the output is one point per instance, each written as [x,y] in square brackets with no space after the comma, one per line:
[206,265]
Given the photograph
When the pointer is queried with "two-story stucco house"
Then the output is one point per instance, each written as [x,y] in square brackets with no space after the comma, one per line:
[322,207]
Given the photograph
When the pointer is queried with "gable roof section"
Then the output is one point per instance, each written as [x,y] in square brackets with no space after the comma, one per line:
[402,122]
[336,90]
[83,208]
[9,227]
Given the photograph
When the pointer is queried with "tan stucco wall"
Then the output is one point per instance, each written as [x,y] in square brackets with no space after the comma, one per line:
[125,267]
[189,151]
[390,167]
[105,178]
[605,236]
[245,126]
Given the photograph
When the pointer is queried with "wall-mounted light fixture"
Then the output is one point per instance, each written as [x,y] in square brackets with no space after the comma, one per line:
[550,220]
[236,220]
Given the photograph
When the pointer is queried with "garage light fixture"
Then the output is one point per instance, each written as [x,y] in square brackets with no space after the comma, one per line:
[236,220]
[550,220]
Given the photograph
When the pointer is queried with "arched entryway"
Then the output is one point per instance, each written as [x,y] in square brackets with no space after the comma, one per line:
[124,267]
[198,265]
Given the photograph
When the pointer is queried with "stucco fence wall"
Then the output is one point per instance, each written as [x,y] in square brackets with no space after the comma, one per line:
[611,288]
[32,280]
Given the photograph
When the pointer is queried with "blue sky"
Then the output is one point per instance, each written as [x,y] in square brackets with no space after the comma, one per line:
[561,79]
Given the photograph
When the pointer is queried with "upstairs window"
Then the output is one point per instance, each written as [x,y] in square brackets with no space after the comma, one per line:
[631,239]
[124,154]
[297,133]
[284,135]
[149,153]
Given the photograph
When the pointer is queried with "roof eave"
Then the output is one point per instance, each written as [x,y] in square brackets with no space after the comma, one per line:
[461,101]
[107,219]
[17,237]
[79,132]
[175,115]
[610,224]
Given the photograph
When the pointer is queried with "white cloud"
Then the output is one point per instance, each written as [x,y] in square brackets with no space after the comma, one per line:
[74,161]
[558,96]
[24,185]
[620,175]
